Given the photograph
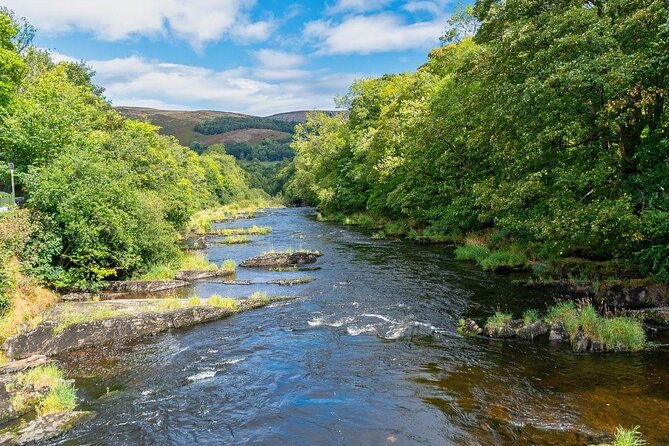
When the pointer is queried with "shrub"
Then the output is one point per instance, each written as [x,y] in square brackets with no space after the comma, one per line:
[259,297]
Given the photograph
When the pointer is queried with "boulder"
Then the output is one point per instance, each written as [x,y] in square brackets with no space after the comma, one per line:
[505,331]
[196,242]
[144,286]
[280,259]
[558,332]
[468,327]
[633,294]
[583,343]
[531,331]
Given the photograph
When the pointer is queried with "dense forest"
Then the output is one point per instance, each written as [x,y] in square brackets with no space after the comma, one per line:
[540,127]
[106,196]
[225,124]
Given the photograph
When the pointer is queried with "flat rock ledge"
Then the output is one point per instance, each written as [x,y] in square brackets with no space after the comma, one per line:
[50,338]
[44,428]
[291,282]
[191,276]
[144,286]
[280,259]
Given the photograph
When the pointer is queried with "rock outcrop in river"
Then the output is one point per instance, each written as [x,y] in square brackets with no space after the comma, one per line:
[281,259]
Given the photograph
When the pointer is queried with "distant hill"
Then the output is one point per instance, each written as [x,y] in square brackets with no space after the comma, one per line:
[300,116]
[182,124]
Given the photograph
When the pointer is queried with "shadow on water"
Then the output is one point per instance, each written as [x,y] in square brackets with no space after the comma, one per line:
[367,354]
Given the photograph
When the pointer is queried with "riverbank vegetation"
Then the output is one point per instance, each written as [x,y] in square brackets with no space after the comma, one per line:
[581,325]
[107,197]
[542,130]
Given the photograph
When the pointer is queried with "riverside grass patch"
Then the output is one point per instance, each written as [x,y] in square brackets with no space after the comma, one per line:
[60,395]
[498,320]
[617,333]
[628,437]
[186,262]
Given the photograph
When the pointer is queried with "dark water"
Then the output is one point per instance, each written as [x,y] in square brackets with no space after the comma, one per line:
[366,355]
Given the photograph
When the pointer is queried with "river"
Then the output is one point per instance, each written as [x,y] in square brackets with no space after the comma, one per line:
[367,354]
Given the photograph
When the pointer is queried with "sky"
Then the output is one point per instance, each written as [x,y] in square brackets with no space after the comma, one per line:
[249,56]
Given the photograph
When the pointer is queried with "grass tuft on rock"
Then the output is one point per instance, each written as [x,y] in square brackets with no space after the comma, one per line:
[531,316]
[498,320]
[236,239]
[628,437]
[62,397]
[498,260]
[614,333]
[223,302]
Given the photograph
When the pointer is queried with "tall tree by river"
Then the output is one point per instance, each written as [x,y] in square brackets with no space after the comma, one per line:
[547,130]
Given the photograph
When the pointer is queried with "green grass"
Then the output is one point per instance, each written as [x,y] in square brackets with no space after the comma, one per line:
[504,259]
[223,302]
[531,316]
[236,239]
[615,333]
[259,297]
[70,318]
[229,266]
[628,437]
[498,320]
[62,397]
[475,253]
[48,376]
[194,301]
[185,262]
[253,230]
[170,304]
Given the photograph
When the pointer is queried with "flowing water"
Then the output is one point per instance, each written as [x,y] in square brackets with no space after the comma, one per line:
[367,354]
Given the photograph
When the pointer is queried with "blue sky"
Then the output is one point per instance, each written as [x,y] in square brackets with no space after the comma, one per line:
[250,56]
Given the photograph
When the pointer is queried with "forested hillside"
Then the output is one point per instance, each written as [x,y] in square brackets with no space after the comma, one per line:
[106,196]
[540,128]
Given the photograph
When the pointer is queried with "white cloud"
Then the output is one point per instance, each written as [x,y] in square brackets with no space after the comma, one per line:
[141,82]
[278,59]
[342,6]
[196,21]
[432,7]
[366,34]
